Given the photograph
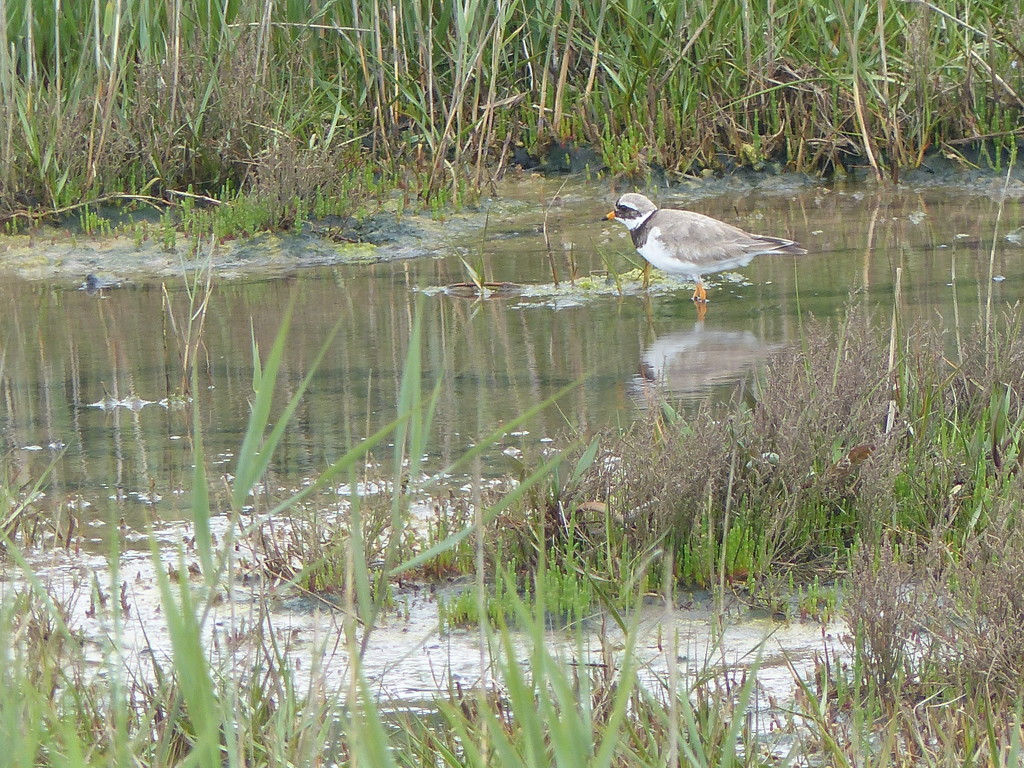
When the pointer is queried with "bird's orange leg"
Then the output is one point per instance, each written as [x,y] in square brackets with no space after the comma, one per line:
[700,295]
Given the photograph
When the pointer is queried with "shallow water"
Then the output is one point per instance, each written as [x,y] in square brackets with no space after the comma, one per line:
[86,374]
[410,661]
[88,382]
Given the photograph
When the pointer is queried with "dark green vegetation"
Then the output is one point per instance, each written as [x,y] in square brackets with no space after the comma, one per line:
[293,111]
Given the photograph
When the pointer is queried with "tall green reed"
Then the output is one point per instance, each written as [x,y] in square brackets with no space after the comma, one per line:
[133,96]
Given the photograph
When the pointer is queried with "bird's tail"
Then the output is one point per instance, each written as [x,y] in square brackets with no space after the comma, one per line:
[782,245]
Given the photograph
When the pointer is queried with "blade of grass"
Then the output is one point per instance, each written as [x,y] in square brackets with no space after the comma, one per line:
[256,451]
[190,662]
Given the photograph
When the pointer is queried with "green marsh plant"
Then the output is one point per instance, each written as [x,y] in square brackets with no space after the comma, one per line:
[294,105]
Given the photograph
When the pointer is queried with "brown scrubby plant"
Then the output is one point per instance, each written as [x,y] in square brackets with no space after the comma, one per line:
[856,433]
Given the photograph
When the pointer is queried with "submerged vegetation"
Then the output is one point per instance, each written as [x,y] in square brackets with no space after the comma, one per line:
[294,111]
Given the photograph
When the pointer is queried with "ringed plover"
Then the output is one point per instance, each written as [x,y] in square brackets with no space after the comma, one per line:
[692,244]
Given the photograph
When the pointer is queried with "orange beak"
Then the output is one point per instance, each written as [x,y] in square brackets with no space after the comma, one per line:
[611,215]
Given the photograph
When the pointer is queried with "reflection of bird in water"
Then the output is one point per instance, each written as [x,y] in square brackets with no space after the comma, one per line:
[691,363]
[692,244]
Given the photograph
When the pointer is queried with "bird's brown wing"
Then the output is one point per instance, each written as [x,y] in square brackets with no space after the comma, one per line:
[715,242]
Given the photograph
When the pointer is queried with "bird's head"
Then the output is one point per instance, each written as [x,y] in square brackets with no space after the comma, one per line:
[632,209]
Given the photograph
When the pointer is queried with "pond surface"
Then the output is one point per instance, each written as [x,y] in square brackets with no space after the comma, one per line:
[91,385]
[92,382]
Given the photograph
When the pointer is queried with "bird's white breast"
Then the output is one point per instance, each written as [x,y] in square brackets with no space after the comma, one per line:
[672,260]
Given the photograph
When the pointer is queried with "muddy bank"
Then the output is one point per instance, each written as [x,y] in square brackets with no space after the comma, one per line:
[55,254]
[143,252]
[534,201]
